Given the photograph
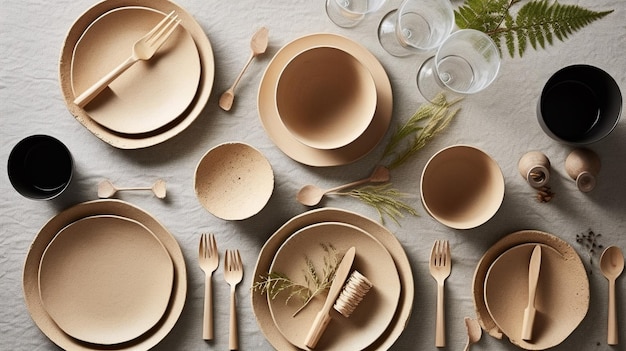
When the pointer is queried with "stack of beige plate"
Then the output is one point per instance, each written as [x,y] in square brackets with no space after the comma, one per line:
[153,100]
[105,275]
[386,308]
[290,144]
[500,289]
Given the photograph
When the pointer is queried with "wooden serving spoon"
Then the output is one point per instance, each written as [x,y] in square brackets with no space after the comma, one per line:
[612,265]
[311,195]
[474,332]
[258,45]
[106,189]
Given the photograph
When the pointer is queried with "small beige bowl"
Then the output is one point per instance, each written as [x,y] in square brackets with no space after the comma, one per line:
[326,97]
[462,187]
[234,181]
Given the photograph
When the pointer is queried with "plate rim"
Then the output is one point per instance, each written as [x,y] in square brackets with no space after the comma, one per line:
[139,141]
[388,239]
[362,232]
[302,153]
[109,206]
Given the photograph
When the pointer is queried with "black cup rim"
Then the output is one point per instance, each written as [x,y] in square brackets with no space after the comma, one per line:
[609,81]
[19,186]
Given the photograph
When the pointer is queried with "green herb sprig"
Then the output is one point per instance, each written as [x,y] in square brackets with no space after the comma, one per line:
[274,283]
[536,23]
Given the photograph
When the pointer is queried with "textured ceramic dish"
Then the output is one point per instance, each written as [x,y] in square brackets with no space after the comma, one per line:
[562,296]
[150,94]
[306,154]
[507,242]
[462,187]
[105,279]
[175,127]
[326,97]
[234,181]
[92,208]
[372,260]
[405,302]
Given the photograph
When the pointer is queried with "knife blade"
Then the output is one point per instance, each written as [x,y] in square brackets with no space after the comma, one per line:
[533,277]
[323,316]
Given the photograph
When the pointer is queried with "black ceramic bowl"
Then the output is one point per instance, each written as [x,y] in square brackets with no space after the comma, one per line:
[579,104]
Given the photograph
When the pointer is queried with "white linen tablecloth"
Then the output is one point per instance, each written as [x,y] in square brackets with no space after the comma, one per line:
[501,120]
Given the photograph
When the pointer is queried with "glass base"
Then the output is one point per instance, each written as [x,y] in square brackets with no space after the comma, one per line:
[340,16]
[388,38]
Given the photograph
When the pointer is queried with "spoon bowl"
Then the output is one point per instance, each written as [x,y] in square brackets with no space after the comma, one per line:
[311,195]
[474,332]
[612,265]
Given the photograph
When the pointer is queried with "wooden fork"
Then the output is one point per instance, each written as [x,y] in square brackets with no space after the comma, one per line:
[143,49]
[440,266]
[209,260]
[233,273]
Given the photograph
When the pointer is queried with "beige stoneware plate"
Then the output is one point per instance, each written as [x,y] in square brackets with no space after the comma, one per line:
[95,208]
[562,296]
[173,128]
[105,279]
[369,320]
[497,249]
[260,305]
[281,136]
[150,94]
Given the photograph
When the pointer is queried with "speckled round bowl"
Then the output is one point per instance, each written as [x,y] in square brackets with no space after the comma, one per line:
[234,181]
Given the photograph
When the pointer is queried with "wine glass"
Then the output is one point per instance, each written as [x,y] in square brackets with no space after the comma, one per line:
[348,13]
[416,26]
[465,63]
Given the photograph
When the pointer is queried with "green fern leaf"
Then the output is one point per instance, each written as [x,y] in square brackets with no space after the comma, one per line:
[536,23]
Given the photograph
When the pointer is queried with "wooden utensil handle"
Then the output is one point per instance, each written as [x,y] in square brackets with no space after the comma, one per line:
[233,339]
[83,99]
[440,326]
[612,322]
[207,329]
[317,329]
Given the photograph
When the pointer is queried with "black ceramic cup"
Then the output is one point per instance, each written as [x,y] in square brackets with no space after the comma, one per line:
[40,167]
[579,104]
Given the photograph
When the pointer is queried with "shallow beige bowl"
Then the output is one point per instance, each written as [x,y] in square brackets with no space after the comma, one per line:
[462,187]
[326,97]
[234,181]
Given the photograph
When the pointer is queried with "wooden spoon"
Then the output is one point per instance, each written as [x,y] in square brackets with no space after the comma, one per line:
[612,265]
[311,195]
[106,189]
[474,332]
[258,45]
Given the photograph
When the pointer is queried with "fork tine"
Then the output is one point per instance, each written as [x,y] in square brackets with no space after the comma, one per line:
[164,33]
[212,245]
[227,260]
[238,263]
[202,246]
[446,253]
[160,24]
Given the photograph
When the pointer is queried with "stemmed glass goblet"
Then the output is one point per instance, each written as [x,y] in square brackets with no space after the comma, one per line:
[416,26]
[466,62]
[348,13]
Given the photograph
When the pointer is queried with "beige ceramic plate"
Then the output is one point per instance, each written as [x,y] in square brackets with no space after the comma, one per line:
[369,320]
[300,152]
[105,279]
[173,128]
[234,181]
[405,302]
[150,94]
[562,297]
[87,209]
[509,241]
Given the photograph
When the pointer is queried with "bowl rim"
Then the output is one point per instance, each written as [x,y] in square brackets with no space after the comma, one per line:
[465,224]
